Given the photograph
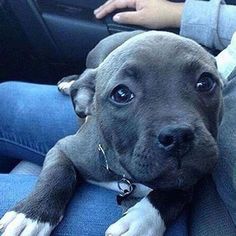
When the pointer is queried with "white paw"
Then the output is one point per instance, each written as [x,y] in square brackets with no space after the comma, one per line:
[140,220]
[65,86]
[14,224]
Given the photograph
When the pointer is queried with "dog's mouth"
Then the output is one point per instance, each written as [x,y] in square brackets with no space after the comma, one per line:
[180,178]
[174,178]
[171,167]
[173,171]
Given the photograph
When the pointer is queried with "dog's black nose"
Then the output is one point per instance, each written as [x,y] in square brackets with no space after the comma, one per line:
[176,136]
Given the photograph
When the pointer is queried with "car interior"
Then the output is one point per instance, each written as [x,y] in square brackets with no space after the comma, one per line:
[42,41]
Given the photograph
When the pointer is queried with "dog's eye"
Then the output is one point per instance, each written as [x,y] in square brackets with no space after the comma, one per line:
[205,83]
[121,94]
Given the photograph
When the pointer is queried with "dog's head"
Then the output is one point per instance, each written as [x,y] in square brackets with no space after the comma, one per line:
[157,101]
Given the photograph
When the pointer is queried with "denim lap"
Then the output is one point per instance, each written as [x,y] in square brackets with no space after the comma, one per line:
[32,119]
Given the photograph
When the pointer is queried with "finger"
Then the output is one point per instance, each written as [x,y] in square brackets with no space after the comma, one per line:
[118,4]
[112,5]
[102,6]
[130,18]
[105,4]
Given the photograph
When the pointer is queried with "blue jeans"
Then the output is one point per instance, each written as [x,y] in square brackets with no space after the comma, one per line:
[32,119]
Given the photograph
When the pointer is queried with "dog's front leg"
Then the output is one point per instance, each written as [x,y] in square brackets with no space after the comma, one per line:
[42,210]
[151,215]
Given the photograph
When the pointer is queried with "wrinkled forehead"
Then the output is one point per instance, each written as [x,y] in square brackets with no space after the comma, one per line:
[162,50]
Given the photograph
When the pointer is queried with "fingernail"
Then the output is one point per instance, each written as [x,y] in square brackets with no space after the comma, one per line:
[116,18]
[98,15]
[96,11]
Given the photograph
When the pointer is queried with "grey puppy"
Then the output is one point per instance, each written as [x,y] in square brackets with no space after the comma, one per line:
[153,103]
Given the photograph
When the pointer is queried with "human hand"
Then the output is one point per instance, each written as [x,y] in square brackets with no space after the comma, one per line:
[152,14]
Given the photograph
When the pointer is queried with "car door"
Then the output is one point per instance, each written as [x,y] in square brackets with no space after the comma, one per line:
[63,30]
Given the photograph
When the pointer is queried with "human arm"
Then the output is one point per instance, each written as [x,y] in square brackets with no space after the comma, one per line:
[210,23]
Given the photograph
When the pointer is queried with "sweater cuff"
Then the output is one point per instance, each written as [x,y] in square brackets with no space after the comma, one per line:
[200,20]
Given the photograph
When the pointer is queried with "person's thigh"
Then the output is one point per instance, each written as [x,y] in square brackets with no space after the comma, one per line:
[33,118]
[90,212]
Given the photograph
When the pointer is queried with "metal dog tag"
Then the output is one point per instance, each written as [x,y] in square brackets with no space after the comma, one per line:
[126,188]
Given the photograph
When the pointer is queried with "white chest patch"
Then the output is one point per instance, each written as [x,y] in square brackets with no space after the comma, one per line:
[139,191]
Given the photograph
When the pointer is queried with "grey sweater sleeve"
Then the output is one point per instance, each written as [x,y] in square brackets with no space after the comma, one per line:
[210,23]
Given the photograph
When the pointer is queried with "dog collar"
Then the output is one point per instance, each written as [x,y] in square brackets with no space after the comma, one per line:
[125,185]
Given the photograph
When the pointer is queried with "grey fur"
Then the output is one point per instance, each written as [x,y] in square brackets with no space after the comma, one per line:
[167,96]
[162,70]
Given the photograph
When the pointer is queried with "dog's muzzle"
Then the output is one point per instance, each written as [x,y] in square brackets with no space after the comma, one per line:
[176,138]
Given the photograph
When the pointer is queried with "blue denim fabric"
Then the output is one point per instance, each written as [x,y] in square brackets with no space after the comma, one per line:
[32,119]
[90,212]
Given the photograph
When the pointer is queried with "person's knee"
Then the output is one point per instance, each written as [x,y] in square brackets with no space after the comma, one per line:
[10,96]
[10,93]
[11,85]
[6,89]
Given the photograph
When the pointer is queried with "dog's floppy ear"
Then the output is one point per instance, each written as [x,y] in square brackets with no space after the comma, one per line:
[106,46]
[82,93]
[83,89]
